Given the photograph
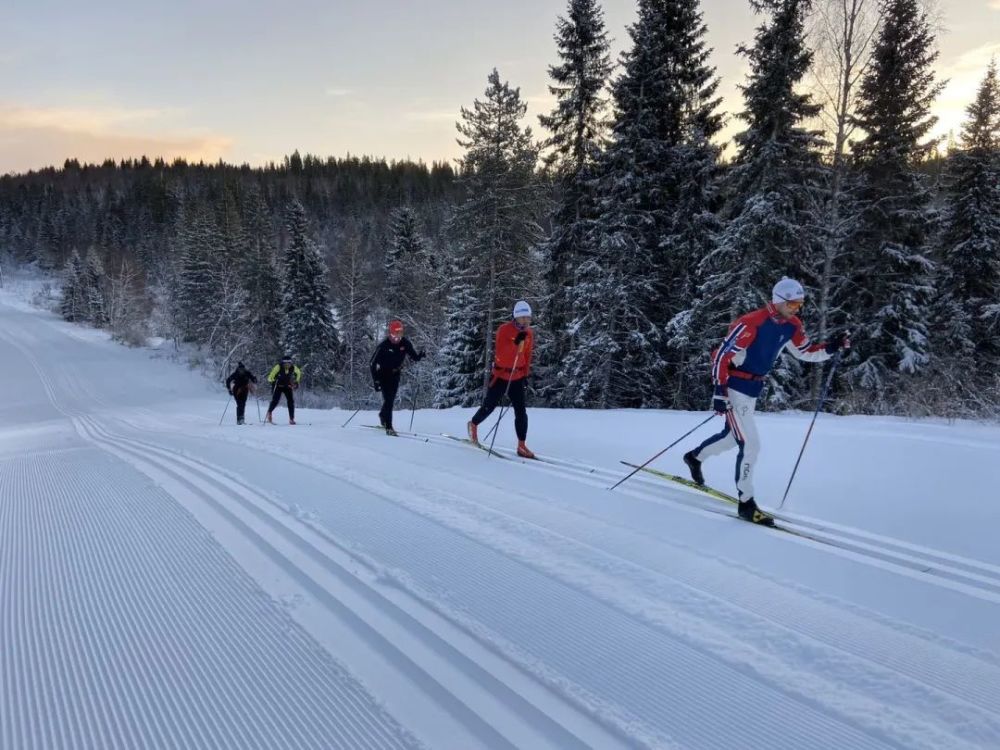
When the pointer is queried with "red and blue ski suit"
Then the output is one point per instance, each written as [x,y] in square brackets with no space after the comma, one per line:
[739,368]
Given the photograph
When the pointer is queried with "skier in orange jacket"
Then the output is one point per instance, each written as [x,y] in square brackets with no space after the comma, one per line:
[511,365]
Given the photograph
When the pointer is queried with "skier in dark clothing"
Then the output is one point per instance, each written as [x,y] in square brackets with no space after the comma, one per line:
[511,365]
[386,366]
[285,377]
[240,385]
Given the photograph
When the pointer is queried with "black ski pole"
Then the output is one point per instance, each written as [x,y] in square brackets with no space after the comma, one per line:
[819,405]
[506,395]
[413,411]
[225,410]
[682,437]
[352,416]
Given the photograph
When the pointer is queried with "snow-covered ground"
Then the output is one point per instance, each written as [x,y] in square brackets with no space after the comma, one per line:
[170,582]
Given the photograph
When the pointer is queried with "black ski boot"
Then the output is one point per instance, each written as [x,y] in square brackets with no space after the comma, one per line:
[749,511]
[694,466]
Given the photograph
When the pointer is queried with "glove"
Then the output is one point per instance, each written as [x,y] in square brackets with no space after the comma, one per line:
[230,390]
[521,336]
[420,355]
[720,401]
[295,386]
[377,386]
[838,342]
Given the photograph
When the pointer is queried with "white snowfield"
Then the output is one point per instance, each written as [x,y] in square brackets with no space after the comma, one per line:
[167,582]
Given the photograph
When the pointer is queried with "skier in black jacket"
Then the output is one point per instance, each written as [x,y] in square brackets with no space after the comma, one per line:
[386,365]
[240,385]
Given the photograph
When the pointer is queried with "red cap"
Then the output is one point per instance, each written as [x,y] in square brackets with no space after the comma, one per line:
[395,328]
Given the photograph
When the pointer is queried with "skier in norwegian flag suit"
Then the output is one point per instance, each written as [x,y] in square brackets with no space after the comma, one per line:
[739,368]
[511,365]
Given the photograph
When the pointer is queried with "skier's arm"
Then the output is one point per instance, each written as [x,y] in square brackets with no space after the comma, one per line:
[298,374]
[374,365]
[739,338]
[802,348]
[273,374]
[410,351]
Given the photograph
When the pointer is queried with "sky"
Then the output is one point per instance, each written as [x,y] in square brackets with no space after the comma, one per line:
[250,81]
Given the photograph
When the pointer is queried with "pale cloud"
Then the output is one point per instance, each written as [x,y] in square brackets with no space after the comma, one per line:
[333,91]
[995,4]
[34,137]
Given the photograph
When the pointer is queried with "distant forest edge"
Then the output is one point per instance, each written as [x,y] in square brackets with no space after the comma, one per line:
[635,241]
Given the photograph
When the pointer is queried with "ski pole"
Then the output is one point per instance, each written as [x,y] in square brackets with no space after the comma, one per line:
[352,417]
[682,437]
[413,411]
[257,399]
[224,411]
[506,394]
[819,405]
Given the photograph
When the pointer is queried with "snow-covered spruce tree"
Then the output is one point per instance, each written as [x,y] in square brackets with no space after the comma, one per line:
[74,297]
[775,190]
[261,279]
[352,273]
[891,288]
[408,267]
[578,131]
[496,224]
[94,282]
[196,279]
[656,187]
[967,315]
[308,330]
[461,360]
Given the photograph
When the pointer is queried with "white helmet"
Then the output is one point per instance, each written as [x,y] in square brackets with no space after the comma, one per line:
[787,290]
[522,309]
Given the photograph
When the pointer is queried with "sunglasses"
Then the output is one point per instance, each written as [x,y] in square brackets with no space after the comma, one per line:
[794,304]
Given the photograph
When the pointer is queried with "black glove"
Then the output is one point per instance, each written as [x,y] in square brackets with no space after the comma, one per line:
[420,355]
[720,401]
[377,386]
[521,336]
[230,390]
[838,342]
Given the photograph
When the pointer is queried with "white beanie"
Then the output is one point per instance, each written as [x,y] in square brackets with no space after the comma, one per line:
[522,309]
[787,289]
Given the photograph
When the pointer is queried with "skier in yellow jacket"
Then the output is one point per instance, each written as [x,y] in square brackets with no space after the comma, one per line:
[284,377]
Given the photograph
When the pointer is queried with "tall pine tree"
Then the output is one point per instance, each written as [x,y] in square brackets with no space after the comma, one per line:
[459,366]
[892,268]
[656,187]
[578,131]
[969,283]
[496,225]
[308,331]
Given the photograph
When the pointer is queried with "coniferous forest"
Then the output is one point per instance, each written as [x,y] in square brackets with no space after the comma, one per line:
[634,232]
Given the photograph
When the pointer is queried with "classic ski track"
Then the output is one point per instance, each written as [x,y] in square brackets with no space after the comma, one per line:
[590,471]
[972,577]
[952,684]
[843,727]
[104,687]
[468,680]
[524,723]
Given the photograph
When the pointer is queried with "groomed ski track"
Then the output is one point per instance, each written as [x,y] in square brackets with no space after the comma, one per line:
[187,585]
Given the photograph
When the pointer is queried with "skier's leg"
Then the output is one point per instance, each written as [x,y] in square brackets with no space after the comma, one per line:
[718,443]
[493,395]
[744,427]
[290,398]
[275,399]
[390,386]
[241,405]
[516,395]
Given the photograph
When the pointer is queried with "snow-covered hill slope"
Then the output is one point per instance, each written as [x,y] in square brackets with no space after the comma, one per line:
[169,582]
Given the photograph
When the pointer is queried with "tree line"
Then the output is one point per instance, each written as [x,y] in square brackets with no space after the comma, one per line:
[636,235]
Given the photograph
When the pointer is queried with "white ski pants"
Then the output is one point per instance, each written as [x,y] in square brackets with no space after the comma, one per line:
[740,432]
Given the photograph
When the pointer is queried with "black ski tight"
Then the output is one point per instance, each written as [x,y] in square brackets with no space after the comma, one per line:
[516,395]
[289,397]
[241,403]
[390,385]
